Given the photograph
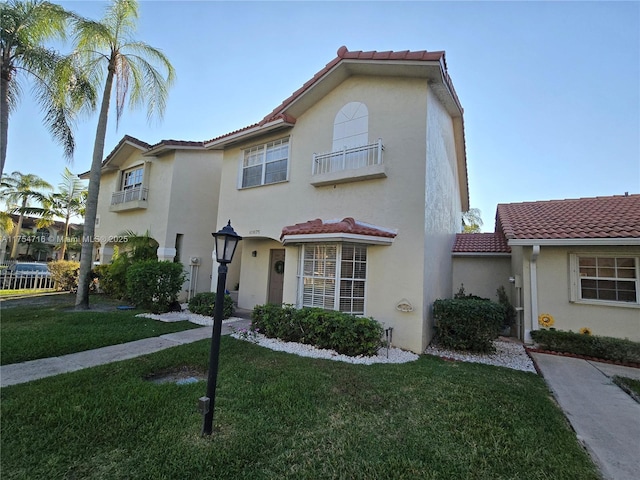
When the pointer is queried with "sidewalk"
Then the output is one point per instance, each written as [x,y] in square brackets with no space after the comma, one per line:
[606,420]
[47,367]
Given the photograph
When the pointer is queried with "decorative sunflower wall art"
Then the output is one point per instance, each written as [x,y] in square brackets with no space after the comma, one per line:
[585,331]
[545,320]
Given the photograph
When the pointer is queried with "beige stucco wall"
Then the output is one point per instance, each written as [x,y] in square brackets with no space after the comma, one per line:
[397,115]
[482,275]
[183,199]
[554,294]
[442,207]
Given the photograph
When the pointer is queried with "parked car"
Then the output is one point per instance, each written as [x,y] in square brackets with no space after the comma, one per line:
[26,275]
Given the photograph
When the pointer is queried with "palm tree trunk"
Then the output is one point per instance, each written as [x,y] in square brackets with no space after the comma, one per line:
[5,77]
[86,260]
[18,231]
[65,235]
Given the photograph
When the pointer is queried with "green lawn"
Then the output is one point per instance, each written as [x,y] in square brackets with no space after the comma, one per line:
[629,385]
[20,293]
[35,331]
[282,416]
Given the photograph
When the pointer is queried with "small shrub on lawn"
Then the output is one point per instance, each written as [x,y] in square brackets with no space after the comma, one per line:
[467,324]
[65,274]
[277,321]
[341,332]
[606,348]
[154,285]
[113,277]
[205,304]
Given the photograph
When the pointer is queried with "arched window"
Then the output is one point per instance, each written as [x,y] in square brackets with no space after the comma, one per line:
[351,126]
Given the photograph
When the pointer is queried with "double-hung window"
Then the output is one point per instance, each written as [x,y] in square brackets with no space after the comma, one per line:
[334,277]
[265,164]
[607,278]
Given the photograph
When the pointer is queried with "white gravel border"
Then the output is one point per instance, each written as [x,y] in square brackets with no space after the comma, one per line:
[508,354]
[396,355]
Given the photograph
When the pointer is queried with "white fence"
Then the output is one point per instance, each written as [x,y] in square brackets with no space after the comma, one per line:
[24,279]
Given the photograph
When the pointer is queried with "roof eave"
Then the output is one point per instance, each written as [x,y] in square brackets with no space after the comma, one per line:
[243,135]
[336,237]
[562,242]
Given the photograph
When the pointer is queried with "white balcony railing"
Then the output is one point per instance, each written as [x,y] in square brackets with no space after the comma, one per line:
[129,195]
[348,158]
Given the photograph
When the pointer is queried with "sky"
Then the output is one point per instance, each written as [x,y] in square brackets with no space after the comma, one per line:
[550,90]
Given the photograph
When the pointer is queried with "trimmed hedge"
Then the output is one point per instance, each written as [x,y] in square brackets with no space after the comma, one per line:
[154,285]
[346,334]
[606,348]
[65,274]
[467,324]
[205,304]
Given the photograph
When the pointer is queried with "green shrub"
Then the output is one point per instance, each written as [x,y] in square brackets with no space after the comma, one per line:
[276,321]
[65,274]
[467,324]
[205,304]
[509,310]
[606,348]
[154,285]
[113,277]
[346,334]
[461,295]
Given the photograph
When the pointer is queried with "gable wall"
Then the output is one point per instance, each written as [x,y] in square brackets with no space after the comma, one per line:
[397,115]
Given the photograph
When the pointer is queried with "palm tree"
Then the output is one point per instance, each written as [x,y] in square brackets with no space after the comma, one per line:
[107,47]
[19,190]
[57,85]
[69,200]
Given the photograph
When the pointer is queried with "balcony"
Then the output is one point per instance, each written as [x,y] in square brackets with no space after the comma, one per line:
[130,199]
[349,165]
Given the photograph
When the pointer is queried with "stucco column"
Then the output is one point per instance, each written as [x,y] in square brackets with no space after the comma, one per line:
[106,254]
[166,254]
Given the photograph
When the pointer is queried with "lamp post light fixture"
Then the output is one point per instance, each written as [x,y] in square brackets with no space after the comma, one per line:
[226,242]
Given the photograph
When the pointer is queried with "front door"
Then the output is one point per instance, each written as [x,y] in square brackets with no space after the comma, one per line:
[276,276]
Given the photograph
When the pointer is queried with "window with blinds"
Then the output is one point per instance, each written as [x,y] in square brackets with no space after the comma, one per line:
[334,277]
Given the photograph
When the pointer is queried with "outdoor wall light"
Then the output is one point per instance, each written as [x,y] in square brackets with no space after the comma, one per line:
[226,242]
[254,253]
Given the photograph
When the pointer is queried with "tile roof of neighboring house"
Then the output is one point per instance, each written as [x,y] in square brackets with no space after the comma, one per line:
[612,217]
[346,225]
[32,222]
[344,54]
[481,243]
[584,218]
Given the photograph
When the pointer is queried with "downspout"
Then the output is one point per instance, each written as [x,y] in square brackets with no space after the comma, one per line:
[533,271]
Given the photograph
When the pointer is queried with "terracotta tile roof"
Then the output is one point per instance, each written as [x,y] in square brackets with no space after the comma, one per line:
[344,54]
[177,143]
[598,217]
[126,139]
[481,243]
[346,225]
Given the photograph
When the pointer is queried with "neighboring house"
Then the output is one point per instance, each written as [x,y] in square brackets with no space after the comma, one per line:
[350,193]
[41,244]
[576,260]
[169,190]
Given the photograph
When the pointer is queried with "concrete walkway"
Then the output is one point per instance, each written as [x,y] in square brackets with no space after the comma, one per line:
[605,419]
[47,367]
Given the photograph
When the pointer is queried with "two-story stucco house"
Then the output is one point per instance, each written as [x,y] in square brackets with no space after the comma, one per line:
[169,190]
[349,194]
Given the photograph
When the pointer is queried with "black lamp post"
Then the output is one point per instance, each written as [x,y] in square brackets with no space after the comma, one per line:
[226,242]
